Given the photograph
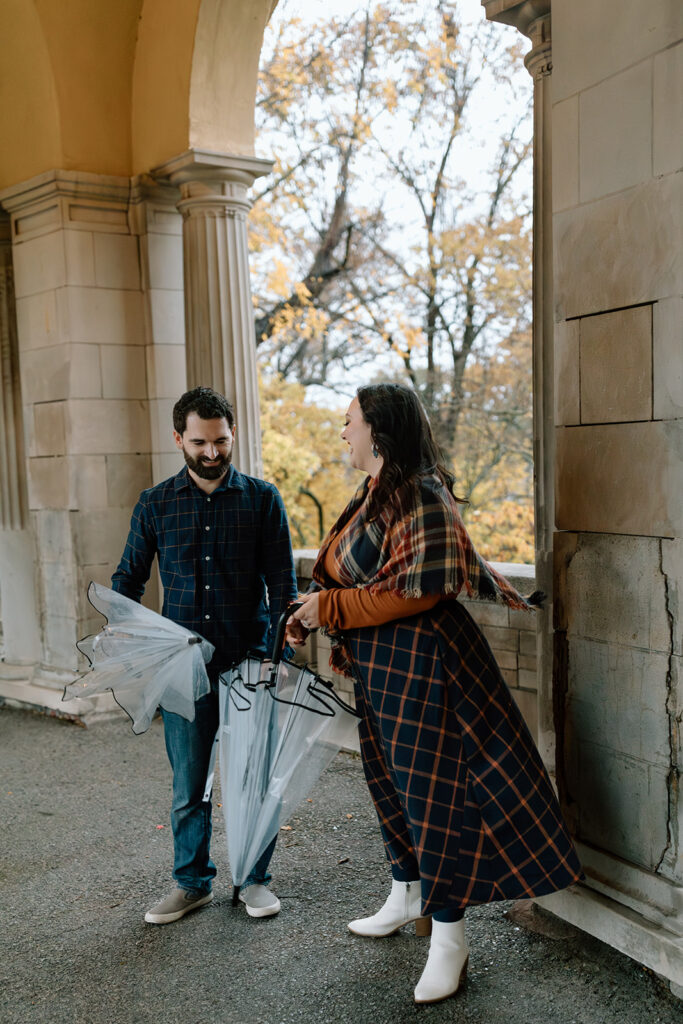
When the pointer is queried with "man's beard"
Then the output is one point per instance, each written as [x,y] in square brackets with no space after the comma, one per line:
[199,466]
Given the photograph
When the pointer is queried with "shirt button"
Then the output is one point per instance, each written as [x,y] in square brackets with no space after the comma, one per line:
[207,527]
[208,499]
[207,558]
[207,616]
[207,587]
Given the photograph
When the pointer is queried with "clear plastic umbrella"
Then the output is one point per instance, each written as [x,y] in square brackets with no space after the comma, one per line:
[280,727]
[146,660]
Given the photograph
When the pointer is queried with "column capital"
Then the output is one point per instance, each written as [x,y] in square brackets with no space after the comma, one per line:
[532,19]
[210,179]
[519,13]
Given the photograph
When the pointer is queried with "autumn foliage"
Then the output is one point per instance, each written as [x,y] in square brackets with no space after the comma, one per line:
[376,256]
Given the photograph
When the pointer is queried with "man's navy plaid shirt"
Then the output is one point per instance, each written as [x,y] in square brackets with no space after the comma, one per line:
[219,554]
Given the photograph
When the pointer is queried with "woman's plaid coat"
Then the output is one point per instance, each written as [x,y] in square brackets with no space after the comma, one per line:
[463,799]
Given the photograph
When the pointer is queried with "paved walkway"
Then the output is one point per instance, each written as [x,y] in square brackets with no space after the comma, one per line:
[83,853]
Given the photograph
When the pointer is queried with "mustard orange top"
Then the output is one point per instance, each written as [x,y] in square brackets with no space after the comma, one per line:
[353,607]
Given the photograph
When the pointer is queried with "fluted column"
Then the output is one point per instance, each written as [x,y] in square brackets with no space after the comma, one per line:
[219,313]
[12,471]
[20,639]
[532,18]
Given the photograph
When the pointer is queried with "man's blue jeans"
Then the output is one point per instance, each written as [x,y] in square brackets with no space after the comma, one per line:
[189,746]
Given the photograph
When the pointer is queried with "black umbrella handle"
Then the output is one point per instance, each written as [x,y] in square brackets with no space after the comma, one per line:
[279,642]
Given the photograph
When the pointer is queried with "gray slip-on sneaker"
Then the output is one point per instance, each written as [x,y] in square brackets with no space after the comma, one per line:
[175,906]
[260,901]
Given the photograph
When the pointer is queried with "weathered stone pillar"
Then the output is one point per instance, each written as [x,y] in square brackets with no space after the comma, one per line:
[539,64]
[20,640]
[12,475]
[219,314]
[616,294]
[81,341]
[532,18]
[159,229]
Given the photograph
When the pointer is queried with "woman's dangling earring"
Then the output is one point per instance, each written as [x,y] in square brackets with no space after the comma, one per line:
[375,453]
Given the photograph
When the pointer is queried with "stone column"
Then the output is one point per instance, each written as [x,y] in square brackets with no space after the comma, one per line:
[539,64]
[13,504]
[219,313]
[159,229]
[20,639]
[532,18]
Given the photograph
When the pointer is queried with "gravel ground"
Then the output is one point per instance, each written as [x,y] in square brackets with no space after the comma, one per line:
[84,854]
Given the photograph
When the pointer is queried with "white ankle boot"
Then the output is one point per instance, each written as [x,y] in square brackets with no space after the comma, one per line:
[403,904]
[446,966]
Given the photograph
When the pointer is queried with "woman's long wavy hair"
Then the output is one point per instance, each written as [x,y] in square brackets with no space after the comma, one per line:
[403,437]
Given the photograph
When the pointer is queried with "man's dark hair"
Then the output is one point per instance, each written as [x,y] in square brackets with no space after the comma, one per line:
[207,403]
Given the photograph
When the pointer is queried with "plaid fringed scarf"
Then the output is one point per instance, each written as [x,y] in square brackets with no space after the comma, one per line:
[417,545]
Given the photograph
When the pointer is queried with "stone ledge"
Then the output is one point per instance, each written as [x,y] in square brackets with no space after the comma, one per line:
[521,576]
[658,899]
[33,688]
[622,929]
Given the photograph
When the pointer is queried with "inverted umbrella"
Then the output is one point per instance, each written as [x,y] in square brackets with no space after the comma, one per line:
[146,660]
[280,727]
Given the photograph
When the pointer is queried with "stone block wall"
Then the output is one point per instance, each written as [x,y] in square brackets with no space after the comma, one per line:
[511,634]
[513,639]
[617,189]
[98,292]
[618,276]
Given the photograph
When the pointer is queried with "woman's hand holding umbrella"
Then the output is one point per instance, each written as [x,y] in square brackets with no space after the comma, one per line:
[303,620]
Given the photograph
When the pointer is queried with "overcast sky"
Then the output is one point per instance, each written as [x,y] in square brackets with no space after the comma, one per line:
[490,106]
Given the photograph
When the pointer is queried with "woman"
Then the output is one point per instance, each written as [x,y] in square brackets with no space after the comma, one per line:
[466,809]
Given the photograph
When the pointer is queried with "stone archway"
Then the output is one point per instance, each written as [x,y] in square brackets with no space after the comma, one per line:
[128,152]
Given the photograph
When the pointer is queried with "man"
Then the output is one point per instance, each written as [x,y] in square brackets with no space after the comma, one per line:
[222,542]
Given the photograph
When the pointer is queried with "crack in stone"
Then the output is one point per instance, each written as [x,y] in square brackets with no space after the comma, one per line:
[560,686]
[673,776]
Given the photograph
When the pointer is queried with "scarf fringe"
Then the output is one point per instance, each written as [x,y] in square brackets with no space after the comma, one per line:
[535,600]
